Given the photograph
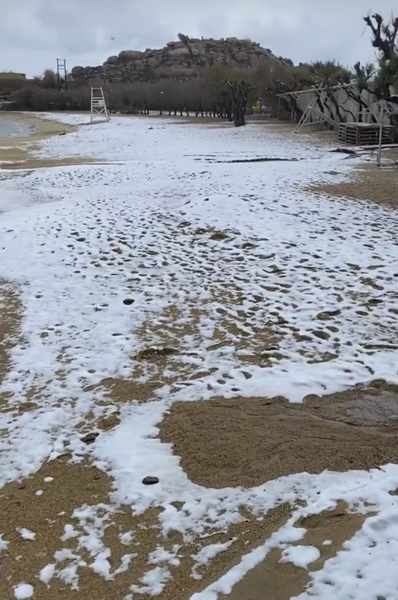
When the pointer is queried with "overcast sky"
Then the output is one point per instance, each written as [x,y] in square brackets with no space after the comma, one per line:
[33,33]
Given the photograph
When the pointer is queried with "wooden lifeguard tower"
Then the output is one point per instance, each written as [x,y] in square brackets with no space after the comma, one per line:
[99,109]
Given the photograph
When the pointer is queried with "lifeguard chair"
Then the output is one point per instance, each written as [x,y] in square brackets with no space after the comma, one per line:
[99,110]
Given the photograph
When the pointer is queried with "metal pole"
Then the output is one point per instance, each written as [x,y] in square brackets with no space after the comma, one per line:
[66,74]
[380,136]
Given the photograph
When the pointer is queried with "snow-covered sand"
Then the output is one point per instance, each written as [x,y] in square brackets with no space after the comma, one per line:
[320,274]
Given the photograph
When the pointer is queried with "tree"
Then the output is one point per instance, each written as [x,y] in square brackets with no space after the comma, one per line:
[363,76]
[384,38]
[328,78]
[49,79]
[239,90]
[185,40]
[329,73]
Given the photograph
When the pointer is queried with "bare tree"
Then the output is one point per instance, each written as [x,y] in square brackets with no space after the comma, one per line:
[385,39]
[384,36]
[363,76]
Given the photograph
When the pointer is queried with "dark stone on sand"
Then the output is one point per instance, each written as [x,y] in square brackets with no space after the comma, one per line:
[327,314]
[90,438]
[155,353]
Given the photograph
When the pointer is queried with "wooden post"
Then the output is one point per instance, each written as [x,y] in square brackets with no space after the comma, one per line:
[380,136]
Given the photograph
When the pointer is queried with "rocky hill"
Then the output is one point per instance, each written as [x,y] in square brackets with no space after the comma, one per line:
[183,59]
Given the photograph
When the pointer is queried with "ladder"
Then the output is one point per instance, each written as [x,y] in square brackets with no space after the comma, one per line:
[98,106]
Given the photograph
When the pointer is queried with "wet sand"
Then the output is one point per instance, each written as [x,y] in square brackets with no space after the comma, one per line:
[17,151]
[248,441]
[369,182]
[10,317]
[276,580]
[66,486]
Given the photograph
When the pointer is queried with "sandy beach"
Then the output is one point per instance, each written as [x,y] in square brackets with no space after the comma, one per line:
[214,309]
[17,150]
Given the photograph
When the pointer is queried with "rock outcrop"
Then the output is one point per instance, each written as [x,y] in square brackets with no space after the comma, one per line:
[184,59]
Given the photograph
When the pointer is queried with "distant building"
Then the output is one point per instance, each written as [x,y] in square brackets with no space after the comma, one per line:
[10,75]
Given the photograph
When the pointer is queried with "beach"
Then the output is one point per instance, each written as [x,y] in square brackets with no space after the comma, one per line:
[198,362]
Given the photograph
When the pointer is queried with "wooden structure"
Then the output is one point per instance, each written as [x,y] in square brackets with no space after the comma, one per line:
[365,134]
[62,73]
[98,106]
[313,116]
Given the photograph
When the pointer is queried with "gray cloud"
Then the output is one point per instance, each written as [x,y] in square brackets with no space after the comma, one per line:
[34,32]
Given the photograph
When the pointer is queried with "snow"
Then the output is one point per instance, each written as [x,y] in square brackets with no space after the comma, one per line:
[69,532]
[300,556]
[125,563]
[3,543]
[206,555]
[78,240]
[209,552]
[368,565]
[153,582]
[101,564]
[27,534]
[23,591]
[225,584]
[126,538]
[160,555]
[47,573]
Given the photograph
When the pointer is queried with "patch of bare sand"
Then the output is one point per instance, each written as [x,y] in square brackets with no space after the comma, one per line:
[40,163]
[10,318]
[72,486]
[16,151]
[169,343]
[280,580]
[246,442]
[76,485]
[158,361]
[370,182]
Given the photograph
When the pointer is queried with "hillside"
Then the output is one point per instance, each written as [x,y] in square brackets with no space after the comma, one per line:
[183,59]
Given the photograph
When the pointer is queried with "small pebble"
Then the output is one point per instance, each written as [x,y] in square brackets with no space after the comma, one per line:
[89,438]
[128,301]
